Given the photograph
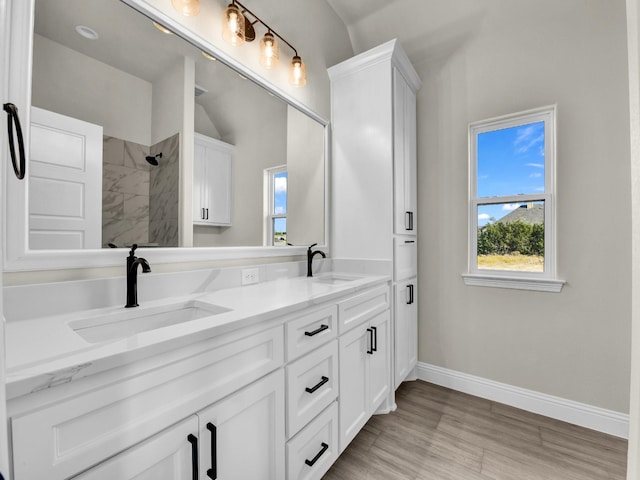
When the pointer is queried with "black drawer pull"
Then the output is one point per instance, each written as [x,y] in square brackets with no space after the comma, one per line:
[12,117]
[370,349]
[193,440]
[318,385]
[212,473]
[312,462]
[322,328]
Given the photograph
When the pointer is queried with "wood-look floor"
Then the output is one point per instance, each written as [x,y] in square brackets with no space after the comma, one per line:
[441,434]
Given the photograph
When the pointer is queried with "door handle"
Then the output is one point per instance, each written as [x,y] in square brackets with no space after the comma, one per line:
[410,292]
[193,440]
[374,339]
[212,473]
[370,350]
[12,117]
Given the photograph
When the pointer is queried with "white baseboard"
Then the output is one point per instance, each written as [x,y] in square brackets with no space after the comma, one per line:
[595,418]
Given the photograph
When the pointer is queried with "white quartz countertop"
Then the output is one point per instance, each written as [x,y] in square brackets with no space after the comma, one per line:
[44,352]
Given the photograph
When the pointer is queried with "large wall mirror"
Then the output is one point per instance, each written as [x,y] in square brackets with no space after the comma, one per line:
[114,99]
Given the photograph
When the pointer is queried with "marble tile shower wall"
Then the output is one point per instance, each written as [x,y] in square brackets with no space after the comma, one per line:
[164,194]
[125,193]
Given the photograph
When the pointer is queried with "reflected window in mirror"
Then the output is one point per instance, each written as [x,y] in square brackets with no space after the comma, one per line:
[276,206]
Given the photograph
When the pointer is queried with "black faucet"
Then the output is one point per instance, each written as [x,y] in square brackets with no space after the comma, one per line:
[132,276]
[310,255]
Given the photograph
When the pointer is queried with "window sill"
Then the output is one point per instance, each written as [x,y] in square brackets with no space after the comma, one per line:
[518,283]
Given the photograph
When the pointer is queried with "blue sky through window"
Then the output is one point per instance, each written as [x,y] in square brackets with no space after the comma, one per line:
[510,162]
[280,193]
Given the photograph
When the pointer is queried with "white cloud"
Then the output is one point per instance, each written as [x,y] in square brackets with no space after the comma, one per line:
[535,165]
[278,210]
[280,185]
[483,216]
[528,137]
[535,175]
[509,207]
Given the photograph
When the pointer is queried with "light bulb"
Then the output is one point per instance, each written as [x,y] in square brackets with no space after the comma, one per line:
[233,25]
[269,51]
[298,72]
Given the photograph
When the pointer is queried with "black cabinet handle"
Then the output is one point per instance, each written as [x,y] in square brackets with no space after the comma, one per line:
[193,440]
[317,385]
[12,117]
[370,350]
[374,340]
[408,220]
[322,328]
[207,210]
[312,462]
[212,473]
[410,288]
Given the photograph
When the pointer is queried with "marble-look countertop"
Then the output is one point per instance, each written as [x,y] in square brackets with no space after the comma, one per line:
[45,352]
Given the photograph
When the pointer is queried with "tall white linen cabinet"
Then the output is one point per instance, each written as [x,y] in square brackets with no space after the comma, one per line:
[373,116]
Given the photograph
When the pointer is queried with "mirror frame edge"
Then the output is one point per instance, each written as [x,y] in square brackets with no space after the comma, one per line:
[17,255]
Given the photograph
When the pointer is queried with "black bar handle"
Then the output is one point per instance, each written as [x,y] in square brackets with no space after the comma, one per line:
[374,341]
[207,213]
[212,473]
[312,462]
[193,440]
[410,220]
[322,328]
[317,385]
[410,287]
[12,117]
[370,350]
[409,241]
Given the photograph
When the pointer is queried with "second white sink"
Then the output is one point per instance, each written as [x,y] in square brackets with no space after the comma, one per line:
[128,322]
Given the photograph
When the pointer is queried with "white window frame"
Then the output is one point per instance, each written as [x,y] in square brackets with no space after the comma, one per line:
[541,281]
[269,202]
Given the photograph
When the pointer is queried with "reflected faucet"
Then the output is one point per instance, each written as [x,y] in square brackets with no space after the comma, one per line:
[132,276]
[310,255]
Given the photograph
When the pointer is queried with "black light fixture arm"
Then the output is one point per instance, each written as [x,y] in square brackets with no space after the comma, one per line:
[258,20]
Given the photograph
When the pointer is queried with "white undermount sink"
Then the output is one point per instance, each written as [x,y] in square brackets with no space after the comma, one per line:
[334,278]
[130,321]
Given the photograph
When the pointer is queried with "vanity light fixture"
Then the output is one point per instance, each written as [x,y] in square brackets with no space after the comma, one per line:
[237,28]
[162,28]
[187,7]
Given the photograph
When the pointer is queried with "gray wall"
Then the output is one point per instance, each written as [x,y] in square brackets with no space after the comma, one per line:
[480,59]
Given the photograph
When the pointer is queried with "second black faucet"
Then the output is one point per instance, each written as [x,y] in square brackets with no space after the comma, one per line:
[310,255]
[132,276]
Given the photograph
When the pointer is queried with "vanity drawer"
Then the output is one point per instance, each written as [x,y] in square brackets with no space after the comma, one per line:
[317,444]
[69,436]
[312,384]
[405,258]
[310,330]
[358,309]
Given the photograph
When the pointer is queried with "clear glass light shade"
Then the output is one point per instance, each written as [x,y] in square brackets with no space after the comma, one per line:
[269,51]
[233,25]
[187,7]
[298,72]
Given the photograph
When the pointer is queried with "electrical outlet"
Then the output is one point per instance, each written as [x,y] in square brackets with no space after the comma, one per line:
[250,275]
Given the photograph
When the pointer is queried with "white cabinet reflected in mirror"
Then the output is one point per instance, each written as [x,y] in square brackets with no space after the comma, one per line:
[109,120]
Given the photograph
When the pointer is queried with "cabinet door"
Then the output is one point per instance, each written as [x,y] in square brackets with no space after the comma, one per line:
[404,156]
[242,436]
[379,361]
[406,329]
[169,455]
[199,191]
[354,383]
[212,180]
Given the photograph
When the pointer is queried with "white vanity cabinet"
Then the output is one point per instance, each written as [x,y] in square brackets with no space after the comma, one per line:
[170,455]
[242,436]
[374,166]
[406,310]
[212,177]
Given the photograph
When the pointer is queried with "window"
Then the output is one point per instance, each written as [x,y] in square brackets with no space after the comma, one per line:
[276,206]
[511,225]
